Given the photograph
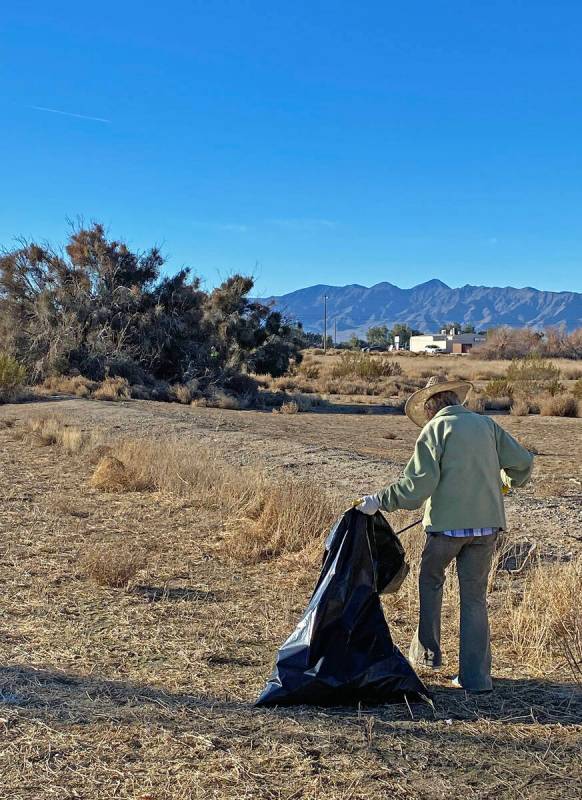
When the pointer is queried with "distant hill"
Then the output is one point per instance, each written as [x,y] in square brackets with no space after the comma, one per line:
[356,308]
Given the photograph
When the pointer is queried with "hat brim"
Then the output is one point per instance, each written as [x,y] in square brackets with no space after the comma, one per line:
[414,408]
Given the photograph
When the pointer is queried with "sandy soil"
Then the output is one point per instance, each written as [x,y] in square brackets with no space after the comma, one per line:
[148,693]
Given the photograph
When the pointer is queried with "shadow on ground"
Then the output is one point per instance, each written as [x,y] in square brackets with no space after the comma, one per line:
[58,696]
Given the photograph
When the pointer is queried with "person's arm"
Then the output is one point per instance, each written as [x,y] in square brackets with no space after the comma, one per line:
[515,461]
[419,479]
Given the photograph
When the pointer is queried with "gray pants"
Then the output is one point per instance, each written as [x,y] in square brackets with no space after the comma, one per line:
[473,555]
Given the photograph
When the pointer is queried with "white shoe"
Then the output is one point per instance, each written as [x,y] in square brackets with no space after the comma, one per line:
[456,683]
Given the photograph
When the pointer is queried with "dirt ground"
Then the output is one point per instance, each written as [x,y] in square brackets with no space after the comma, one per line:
[147,693]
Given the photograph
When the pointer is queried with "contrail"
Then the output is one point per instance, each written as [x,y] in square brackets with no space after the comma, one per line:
[70,114]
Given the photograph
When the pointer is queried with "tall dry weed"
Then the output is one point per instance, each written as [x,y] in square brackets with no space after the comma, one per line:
[113,389]
[562,405]
[114,564]
[288,517]
[263,517]
[48,431]
[543,621]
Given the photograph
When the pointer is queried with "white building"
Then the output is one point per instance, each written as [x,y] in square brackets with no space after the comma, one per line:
[445,342]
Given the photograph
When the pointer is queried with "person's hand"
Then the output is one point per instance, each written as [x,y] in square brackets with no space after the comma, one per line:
[368,504]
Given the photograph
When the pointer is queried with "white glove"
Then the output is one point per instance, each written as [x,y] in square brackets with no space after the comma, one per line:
[369,504]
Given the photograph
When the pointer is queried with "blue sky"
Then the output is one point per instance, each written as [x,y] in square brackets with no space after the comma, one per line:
[303,142]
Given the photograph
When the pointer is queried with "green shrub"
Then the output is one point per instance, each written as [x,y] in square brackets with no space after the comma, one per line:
[533,375]
[12,377]
[498,387]
[359,365]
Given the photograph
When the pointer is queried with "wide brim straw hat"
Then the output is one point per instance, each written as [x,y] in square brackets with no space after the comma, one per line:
[414,408]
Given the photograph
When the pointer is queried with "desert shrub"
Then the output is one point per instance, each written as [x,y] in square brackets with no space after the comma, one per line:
[533,376]
[519,407]
[69,384]
[577,389]
[359,365]
[505,343]
[160,391]
[113,564]
[285,383]
[290,407]
[12,377]
[113,389]
[141,392]
[498,387]
[563,405]
[99,309]
[226,401]
[349,387]
[310,372]
[181,393]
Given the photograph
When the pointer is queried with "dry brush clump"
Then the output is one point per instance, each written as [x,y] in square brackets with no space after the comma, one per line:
[289,516]
[69,384]
[113,389]
[505,342]
[542,621]
[263,517]
[51,430]
[520,407]
[562,405]
[113,564]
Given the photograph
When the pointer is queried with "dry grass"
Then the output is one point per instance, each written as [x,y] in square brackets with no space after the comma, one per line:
[113,389]
[544,619]
[76,385]
[111,476]
[562,405]
[286,517]
[263,518]
[112,564]
[520,407]
[147,693]
[182,393]
[53,430]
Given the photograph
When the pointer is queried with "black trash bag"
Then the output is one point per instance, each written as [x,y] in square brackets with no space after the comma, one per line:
[341,652]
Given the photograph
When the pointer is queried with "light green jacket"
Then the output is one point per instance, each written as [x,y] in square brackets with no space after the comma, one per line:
[460,462]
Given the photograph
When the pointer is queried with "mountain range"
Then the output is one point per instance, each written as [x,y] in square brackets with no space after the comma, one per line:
[427,307]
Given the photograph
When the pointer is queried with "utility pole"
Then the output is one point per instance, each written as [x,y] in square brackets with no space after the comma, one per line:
[325,323]
[335,333]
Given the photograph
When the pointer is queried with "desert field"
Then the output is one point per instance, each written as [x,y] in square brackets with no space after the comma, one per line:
[145,690]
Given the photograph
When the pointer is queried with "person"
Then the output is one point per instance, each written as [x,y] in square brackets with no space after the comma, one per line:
[462,465]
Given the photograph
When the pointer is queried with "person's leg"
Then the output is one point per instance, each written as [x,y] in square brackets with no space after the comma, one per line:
[438,553]
[473,565]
